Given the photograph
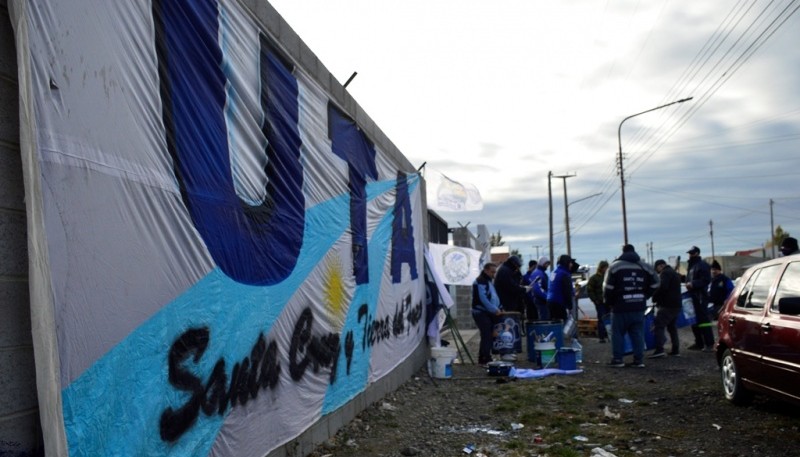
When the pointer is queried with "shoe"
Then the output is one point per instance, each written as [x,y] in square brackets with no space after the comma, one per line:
[708,349]
[616,364]
[657,355]
[695,347]
[637,364]
[675,354]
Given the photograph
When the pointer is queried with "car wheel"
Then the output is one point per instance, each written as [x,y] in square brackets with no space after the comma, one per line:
[732,386]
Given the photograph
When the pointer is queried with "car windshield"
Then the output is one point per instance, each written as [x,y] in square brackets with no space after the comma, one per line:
[789,285]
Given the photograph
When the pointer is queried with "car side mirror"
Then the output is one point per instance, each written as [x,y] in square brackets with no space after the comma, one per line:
[789,306]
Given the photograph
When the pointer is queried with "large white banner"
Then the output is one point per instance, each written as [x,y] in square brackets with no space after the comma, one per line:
[455,265]
[219,255]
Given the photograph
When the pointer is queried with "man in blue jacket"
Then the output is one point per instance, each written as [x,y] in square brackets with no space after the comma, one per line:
[540,283]
[561,292]
[628,284]
[485,309]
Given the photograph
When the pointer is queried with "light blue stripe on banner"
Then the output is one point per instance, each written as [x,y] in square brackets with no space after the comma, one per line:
[379,244]
[114,407]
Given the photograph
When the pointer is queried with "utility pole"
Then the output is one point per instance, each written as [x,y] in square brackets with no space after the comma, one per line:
[566,211]
[711,232]
[550,199]
[621,169]
[537,246]
[772,227]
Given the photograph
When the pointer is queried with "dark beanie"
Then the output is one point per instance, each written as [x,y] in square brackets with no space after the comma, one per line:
[628,248]
[715,265]
[660,262]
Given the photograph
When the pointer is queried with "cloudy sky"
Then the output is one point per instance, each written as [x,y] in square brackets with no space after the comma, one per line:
[499,94]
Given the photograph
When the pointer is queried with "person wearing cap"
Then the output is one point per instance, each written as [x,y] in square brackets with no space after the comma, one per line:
[720,288]
[531,313]
[628,284]
[668,300]
[540,283]
[789,246]
[698,279]
[561,291]
[507,282]
[594,289]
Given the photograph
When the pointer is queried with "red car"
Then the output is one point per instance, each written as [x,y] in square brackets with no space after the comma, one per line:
[759,333]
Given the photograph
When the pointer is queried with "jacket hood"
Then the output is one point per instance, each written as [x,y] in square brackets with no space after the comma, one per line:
[631,256]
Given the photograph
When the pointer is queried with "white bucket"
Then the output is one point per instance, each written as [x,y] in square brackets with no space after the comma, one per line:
[441,363]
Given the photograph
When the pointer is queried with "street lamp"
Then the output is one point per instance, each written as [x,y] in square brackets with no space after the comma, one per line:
[621,173]
[566,218]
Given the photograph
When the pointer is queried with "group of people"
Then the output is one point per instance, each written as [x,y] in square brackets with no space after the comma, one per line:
[534,295]
[620,289]
[629,282]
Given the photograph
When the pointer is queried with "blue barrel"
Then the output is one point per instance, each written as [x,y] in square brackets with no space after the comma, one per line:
[543,331]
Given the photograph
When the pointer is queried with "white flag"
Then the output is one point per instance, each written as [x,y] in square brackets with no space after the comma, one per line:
[445,194]
[455,265]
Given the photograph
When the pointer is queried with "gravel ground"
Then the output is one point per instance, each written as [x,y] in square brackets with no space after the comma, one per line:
[672,407]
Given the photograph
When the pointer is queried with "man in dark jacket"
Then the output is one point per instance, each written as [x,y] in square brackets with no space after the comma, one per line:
[508,283]
[668,300]
[594,289]
[697,280]
[721,287]
[628,284]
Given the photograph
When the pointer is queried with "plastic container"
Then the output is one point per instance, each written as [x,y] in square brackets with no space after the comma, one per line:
[546,351]
[543,331]
[566,359]
[440,364]
[578,348]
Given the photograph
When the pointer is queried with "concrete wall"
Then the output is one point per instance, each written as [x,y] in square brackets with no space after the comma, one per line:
[20,432]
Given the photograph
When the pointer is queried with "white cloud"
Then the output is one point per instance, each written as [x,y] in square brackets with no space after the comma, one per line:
[499,94]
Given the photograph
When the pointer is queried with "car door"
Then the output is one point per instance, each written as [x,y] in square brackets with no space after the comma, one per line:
[780,335]
[745,322]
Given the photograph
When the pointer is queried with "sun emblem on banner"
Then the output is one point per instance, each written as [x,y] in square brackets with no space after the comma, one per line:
[334,290]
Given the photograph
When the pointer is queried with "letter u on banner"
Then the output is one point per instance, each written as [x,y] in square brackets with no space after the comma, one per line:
[253,244]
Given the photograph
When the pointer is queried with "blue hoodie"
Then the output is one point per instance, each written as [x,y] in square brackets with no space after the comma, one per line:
[561,289]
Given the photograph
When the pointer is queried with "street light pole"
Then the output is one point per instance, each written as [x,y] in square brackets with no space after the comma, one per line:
[621,172]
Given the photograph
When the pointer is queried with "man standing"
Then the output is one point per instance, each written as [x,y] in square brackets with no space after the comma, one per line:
[508,284]
[698,278]
[628,284]
[485,309]
[561,291]
[531,313]
[540,283]
[668,299]
[721,287]
[594,288]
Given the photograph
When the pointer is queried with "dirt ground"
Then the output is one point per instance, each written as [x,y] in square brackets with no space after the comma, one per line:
[672,407]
